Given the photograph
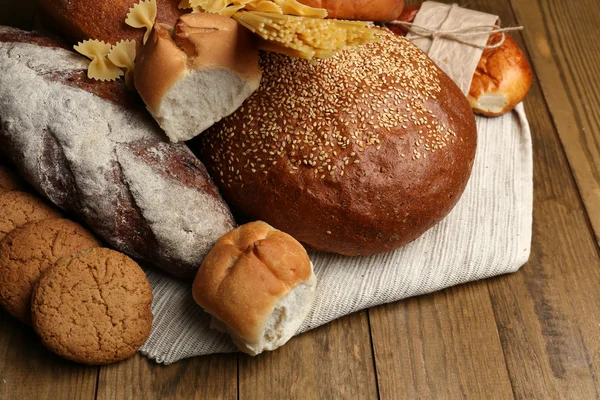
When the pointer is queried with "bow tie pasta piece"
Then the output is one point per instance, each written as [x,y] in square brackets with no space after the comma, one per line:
[101,68]
[123,56]
[143,15]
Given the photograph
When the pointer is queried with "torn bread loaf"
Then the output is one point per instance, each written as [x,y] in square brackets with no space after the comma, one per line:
[197,74]
[258,284]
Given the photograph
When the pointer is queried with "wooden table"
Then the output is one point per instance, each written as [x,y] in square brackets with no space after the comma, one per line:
[534,334]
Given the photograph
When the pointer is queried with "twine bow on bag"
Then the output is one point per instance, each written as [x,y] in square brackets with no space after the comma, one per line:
[458,35]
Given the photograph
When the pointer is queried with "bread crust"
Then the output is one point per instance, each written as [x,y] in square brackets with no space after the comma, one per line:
[102,20]
[502,72]
[398,128]
[363,10]
[200,41]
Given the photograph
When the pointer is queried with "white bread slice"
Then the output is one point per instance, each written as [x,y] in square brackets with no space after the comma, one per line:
[198,76]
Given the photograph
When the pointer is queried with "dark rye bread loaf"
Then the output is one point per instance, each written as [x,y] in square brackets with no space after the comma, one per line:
[357,154]
[92,150]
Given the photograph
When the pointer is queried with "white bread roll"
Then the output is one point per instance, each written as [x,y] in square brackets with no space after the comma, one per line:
[258,284]
[202,74]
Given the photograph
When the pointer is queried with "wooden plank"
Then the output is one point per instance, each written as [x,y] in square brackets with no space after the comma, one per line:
[203,378]
[548,314]
[331,362]
[562,37]
[443,345]
[29,371]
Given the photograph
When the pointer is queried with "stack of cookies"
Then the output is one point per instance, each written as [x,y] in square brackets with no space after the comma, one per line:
[87,303]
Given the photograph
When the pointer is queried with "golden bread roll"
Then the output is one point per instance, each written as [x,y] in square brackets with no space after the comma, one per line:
[362,10]
[258,284]
[502,79]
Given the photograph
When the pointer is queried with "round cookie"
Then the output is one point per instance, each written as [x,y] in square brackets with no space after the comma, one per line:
[93,307]
[9,181]
[28,251]
[18,208]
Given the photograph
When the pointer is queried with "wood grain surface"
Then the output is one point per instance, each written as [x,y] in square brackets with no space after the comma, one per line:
[562,39]
[444,345]
[534,334]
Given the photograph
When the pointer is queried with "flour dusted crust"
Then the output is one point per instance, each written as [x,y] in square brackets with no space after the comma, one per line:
[99,155]
[101,68]
[143,15]
[106,316]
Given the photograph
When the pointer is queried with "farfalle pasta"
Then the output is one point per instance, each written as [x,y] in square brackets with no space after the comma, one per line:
[264,6]
[101,68]
[123,56]
[143,15]
[289,27]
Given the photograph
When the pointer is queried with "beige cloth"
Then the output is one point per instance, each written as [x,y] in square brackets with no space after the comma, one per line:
[487,234]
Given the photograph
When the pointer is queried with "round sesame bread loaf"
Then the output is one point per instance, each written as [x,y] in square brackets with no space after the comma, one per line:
[357,154]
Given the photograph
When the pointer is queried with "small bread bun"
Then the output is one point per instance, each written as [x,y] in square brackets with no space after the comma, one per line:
[258,284]
[362,10]
[502,79]
[203,74]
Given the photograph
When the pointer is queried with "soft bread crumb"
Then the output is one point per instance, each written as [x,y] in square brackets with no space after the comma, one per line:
[199,100]
[492,103]
[283,322]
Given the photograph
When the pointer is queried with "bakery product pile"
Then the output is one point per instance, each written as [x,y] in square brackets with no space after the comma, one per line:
[321,132]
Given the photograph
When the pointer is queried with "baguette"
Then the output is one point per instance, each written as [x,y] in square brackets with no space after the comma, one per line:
[91,149]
